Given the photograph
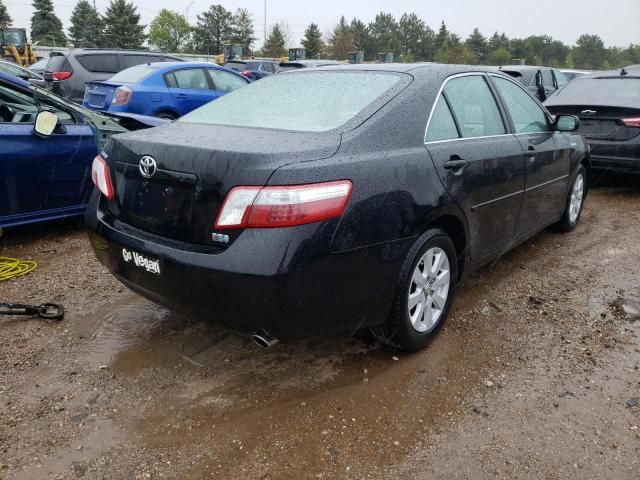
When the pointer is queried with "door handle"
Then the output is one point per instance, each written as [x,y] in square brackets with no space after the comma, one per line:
[181,96]
[531,152]
[455,163]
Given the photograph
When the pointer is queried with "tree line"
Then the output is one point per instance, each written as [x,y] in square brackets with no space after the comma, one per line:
[409,38]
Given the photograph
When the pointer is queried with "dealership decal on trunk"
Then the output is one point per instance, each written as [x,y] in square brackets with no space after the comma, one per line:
[150,265]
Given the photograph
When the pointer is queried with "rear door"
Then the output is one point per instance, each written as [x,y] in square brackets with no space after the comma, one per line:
[41,176]
[480,163]
[548,156]
[190,88]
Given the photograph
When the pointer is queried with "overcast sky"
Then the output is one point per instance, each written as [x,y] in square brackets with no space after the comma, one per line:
[616,21]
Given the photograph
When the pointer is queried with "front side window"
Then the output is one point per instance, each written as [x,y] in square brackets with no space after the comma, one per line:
[527,115]
[191,79]
[313,101]
[474,107]
[561,78]
[225,81]
[441,126]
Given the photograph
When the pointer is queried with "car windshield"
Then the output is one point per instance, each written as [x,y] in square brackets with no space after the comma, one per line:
[133,74]
[600,91]
[305,101]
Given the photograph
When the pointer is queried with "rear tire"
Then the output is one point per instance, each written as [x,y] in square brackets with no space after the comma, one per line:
[575,201]
[424,294]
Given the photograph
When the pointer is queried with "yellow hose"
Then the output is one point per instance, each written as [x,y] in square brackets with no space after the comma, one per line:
[13,267]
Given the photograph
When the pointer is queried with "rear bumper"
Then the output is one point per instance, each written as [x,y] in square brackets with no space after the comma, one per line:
[283,282]
[615,157]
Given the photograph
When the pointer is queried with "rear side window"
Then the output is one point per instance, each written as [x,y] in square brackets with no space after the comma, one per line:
[442,126]
[191,79]
[527,115]
[225,81]
[474,107]
[315,101]
[104,63]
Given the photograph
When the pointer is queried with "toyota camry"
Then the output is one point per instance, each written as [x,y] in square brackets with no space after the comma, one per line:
[335,199]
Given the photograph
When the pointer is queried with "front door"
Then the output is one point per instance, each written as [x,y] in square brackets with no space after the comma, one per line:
[548,157]
[479,162]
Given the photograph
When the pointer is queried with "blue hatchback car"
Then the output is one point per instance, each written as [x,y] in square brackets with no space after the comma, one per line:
[164,89]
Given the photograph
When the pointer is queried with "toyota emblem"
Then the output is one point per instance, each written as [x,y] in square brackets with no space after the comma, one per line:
[147,166]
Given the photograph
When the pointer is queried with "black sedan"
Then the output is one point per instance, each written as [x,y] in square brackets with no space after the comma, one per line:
[335,199]
[608,105]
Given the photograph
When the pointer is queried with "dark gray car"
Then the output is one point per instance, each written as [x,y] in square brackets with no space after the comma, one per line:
[540,81]
[67,73]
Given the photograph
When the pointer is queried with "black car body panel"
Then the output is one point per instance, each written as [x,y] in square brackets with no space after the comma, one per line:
[340,274]
[601,101]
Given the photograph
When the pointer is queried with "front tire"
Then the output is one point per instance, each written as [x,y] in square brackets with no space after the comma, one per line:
[575,201]
[424,294]
[166,115]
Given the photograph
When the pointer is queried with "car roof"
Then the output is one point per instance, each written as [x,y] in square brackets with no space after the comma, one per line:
[522,68]
[170,65]
[426,69]
[630,72]
[15,80]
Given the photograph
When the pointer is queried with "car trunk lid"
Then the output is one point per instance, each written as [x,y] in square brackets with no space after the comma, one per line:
[99,95]
[601,122]
[195,167]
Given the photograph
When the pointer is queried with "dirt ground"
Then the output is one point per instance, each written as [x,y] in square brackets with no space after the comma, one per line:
[536,375]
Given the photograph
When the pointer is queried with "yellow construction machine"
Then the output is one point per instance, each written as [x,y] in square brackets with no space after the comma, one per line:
[14,46]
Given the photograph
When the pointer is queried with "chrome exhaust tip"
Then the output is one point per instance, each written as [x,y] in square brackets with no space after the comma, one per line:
[264,341]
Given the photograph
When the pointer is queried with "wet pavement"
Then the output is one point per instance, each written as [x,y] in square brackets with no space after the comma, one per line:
[530,378]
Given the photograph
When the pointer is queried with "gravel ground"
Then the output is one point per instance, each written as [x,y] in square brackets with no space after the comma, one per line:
[536,375]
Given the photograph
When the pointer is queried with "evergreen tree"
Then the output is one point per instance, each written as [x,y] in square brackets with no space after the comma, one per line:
[275,43]
[589,52]
[86,25]
[498,41]
[169,31]
[384,31]
[441,37]
[46,27]
[312,41]
[362,40]
[341,40]
[122,25]
[411,32]
[499,56]
[5,18]
[214,29]
[242,29]
[477,43]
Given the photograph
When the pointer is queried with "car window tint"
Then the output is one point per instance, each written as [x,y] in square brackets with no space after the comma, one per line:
[192,79]
[56,63]
[441,126]
[547,78]
[526,114]
[268,67]
[104,63]
[474,106]
[16,106]
[561,78]
[127,61]
[170,80]
[225,81]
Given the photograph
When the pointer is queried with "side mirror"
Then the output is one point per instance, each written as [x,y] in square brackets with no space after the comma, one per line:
[45,123]
[567,123]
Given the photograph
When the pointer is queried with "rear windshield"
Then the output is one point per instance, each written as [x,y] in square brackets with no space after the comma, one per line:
[133,74]
[306,101]
[600,91]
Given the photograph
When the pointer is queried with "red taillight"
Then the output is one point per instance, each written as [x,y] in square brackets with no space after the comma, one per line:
[122,96]
[101,178]
[61,75]
[283,206]
[631,122]
[246,73]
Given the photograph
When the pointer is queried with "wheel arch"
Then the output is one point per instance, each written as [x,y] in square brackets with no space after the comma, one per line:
[452,221]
